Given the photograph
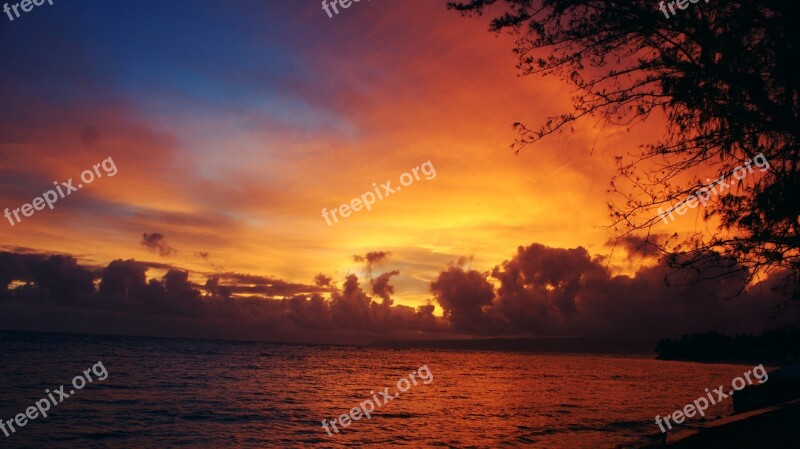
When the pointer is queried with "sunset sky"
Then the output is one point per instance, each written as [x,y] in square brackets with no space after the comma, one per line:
[233,125]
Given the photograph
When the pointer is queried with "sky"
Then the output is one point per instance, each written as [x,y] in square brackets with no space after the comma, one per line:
[232,126]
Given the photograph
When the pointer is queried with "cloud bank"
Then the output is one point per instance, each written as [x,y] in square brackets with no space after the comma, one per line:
[539,292]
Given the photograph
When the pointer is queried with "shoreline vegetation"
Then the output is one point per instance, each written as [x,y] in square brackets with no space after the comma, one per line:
[771,347]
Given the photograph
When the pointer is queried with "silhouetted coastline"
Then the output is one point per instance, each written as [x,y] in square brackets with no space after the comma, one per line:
[771,347]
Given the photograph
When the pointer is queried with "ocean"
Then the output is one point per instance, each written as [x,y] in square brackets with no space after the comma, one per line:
[163,393]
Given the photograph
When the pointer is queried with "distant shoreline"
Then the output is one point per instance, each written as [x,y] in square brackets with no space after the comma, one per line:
[543,345]
[771,347]
[726,361]
[537,345]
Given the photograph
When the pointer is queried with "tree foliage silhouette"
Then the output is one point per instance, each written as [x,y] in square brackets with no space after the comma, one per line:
[725,76]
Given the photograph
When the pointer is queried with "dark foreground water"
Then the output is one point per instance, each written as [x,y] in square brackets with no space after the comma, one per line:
[183,393]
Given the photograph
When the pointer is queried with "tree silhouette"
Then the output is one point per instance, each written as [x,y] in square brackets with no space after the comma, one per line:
[725,76]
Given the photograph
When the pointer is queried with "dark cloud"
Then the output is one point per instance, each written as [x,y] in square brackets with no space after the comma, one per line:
[212,287]
[238,283]
[565,292]
[321,280]
[58,295]
[463,261]
[543,284]
[21,250]
[352,305]
[463,296]
[542,292]
[310,313]
[155,242]
[382,288]
[207,259]
[372,259]
[124,277]
[57,275]
[16,267]
[157,265]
